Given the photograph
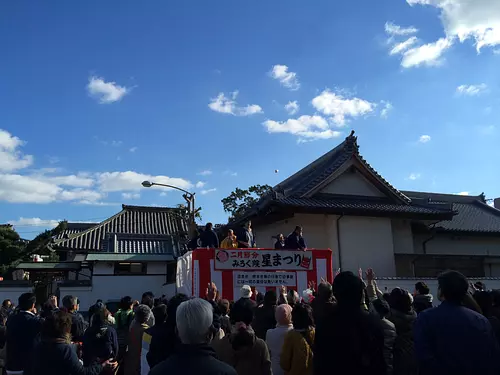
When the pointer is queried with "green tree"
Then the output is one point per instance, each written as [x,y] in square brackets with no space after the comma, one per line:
[11,247]
[185,213]
[14,250]
[240,200]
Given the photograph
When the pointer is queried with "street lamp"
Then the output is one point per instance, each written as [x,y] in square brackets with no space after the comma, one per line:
[188,197]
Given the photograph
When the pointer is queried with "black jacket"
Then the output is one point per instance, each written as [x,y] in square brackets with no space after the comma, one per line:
[78,326]
[23,330]
[57,358]
[264,320]
[294,242]
[389,338]
[404,361]
[422,302]
[349,341]
[163,343]
[193,360]
[99,343]
[209,238]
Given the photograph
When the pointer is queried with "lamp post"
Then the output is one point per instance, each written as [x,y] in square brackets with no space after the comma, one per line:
[188,197]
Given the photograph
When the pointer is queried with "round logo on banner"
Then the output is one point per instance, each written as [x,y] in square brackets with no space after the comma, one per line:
[222,256]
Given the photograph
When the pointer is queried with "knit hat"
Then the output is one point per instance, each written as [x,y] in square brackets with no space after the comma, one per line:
[246,291]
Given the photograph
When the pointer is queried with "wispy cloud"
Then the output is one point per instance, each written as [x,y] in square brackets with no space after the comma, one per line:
[200,184]
[414,176]
[472,90]
[428,54]
[424,138]
[130,196]
[208,191]
[228,105]
[463,193]
[106,92]
[288,79]
[403,46]
[231,173]
[393,29]
[292,107]
[206,172]
[305,127]
[34,222]
[133,149]
[387,107]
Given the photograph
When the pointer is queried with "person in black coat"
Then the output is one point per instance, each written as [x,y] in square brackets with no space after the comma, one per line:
[452,339]
[55,355]
[164,340]
[265,315]
[100,341]
[22,335]
[295,240]
[194,321]
[209,238]
[280,242]
[350,339]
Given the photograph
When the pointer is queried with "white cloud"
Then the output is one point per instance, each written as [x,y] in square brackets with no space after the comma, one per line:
[80,194]
[130,196]
[388,107]
[341,109]
[131,181]
[424,138]
[427,54]
[223,104]
[200,184]
[231,173]
[292,107]
[403,46]
[309,127]
[286,78]
[414,176]
[208,191]
[478,20]
[463,193]
[133,149]
[81,180]
[11,158]
[392,29]
[206,172]
[106,92]
[471,90]
[34,222]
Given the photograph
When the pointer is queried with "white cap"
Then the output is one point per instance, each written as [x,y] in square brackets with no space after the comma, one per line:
[246,291]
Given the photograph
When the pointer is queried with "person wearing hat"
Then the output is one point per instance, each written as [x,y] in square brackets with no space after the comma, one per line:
[245,300]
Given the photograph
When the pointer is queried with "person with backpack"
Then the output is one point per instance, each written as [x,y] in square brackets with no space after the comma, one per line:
[100,341]
[297,352]
[123,318]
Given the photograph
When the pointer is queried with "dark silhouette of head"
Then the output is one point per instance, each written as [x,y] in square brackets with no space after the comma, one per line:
[348,290]
[453,286]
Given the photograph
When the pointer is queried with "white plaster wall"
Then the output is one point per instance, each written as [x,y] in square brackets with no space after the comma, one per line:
[402,236]
[116,287]
[13,293]
[352,183]
[462,245]
[317,231]
[83,293]
[367,242]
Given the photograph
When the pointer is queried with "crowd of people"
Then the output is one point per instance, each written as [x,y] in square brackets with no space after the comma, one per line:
[348,326]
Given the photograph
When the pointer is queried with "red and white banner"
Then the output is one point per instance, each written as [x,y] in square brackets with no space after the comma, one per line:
[293,269]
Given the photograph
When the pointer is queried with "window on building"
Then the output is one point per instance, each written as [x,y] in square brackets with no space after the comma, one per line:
[171,272]
[130,268]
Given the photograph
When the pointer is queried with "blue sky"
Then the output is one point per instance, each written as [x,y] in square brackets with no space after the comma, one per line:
[98,96]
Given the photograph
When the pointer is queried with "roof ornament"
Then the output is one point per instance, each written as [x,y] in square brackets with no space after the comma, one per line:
[351,141]
[483,197]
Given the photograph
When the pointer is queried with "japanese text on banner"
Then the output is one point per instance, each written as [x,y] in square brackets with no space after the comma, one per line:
[270,279]
[277,260]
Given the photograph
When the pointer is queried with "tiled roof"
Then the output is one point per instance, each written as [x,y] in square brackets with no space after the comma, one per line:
[346,205]
[74,228]
[132,220]
[319,170]
[139,244]
[473,214]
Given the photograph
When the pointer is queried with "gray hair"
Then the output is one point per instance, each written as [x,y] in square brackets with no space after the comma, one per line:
[142,313]
[194,319]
